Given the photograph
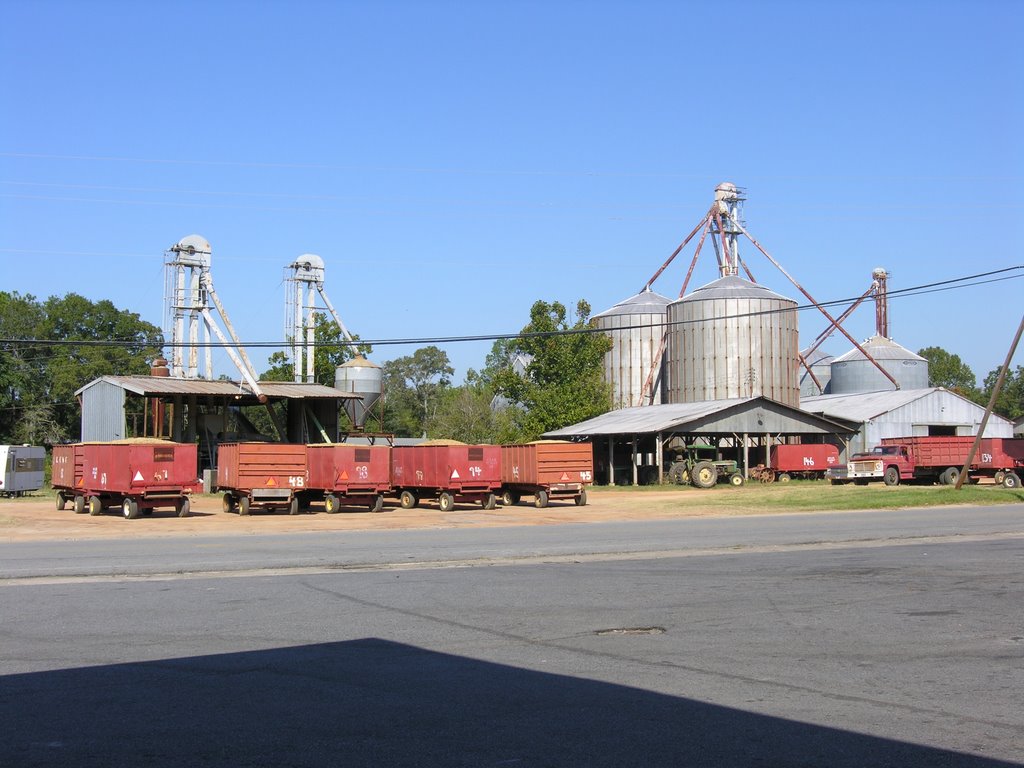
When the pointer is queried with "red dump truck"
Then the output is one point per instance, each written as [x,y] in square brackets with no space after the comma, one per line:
[935,459]
[447,472]
[349,474]
[138,475]
[546,470]
[808,460]
[265,475]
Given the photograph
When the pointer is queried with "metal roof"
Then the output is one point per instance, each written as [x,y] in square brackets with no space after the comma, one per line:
[865,406]
[880,348]
[677,417]
[732,287]
[647,302]
[165,386]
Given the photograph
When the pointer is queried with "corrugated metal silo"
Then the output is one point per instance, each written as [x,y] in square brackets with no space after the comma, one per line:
[636,326]
[361,377]
[732,338]
[853,372]
[821,367]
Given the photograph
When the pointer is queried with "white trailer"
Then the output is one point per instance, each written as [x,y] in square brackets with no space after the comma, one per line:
[22,467]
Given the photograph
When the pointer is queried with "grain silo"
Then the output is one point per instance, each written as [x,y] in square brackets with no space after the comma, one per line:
[636,327]
[732,338]
[854,372]
[819,364]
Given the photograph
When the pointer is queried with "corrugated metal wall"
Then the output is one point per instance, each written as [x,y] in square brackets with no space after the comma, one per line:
[103,412]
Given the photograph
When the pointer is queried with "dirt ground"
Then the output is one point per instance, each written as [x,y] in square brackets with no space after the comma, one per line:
[37,518]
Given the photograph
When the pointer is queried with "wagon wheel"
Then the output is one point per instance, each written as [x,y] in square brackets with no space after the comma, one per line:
[1011,480]
[767,476]
[377,504]
[408,500]
[785,477]
[293,505]
[130,509]
[541,499]
[62,499]
[95,505]
[331,505]
[581,500]
[243,505]
[228,503]
[78,505]
[184,507]
[446,501]
[490,501]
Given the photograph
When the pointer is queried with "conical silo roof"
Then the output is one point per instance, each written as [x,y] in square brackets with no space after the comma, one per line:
[644,303]
[880,348]
[732,287]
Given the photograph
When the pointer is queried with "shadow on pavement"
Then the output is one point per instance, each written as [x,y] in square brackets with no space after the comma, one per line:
[377,703]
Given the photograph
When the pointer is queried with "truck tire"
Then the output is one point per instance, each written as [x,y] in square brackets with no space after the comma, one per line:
[892,476]
[704,474]
[581,500]
[949,476]
[541,499]
[408,500]
[95,505]
[1011,480]
[445,501]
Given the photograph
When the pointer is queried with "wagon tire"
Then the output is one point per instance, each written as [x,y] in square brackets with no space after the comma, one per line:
[998,476]
[78,505]
[228,503]
[377,504]
[408,500]
[95,505]
[506,498]
[541,499]
[331,505]
[184,507]
[736,480]
[293,505]
[704,474]
[785,477]
[1011,480]
[446,501]
[243,505]
[892,476]
[130,509]
[61,500]
[489,502]
[581,500]
[949,476]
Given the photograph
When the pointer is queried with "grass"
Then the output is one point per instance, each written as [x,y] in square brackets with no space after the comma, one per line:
[807,496]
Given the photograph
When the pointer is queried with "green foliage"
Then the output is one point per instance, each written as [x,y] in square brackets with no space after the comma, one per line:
[949,371]
[465,413]
[38,381]
[562,384]
[413,389]
[331,351]
[1010,402]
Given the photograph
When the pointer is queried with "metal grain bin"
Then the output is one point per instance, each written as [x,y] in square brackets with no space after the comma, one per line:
[636,327]
[361,377]
[261,474]
[853,372]
[546,469]
[730,339]
[447,472]
[361,473]
[821,366]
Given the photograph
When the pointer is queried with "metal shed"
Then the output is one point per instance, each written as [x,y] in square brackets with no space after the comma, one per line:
[202,411]
[906,413]
[748,427]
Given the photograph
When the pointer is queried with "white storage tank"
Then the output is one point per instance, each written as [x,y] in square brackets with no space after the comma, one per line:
[732,338]
[636,326]
[361,377]
[853,372]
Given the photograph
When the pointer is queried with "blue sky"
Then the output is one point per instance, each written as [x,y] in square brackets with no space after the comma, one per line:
[453,162]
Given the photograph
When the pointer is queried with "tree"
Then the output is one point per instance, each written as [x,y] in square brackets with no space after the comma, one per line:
[331,351]
[38,380]
[413,386]
[562,384]
[1010,402]
[949,371]
[466,413]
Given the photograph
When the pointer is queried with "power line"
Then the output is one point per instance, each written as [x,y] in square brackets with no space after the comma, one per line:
[926,288]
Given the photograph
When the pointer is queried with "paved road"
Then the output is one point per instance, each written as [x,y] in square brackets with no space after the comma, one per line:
[893,639]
